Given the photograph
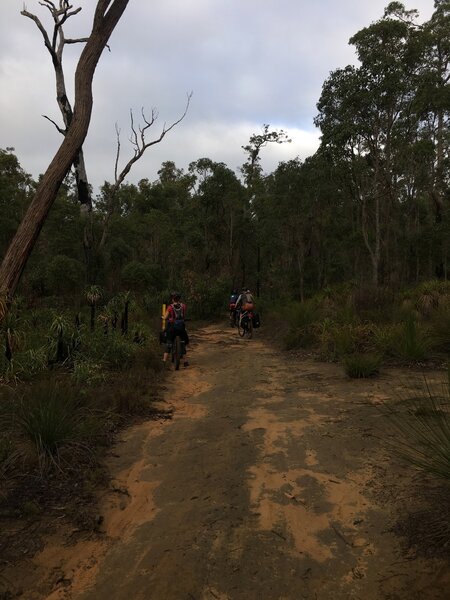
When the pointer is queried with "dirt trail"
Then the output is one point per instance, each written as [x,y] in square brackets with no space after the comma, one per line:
[272,482]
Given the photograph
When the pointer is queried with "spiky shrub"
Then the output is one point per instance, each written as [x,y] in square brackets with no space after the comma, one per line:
[111,352]
[60,339]
[301,317]
[421,423]
[358,366]
[299,338]
[93,296]
[348,338]
[385,339]
[431,295]
[86,372]
[31,362]
[413,344]
[373,303]
[56,420]
[302,314]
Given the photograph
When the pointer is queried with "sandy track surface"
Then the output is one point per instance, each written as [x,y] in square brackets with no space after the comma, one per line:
[271,482]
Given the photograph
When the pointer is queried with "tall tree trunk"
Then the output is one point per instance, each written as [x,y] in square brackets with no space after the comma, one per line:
[107,15]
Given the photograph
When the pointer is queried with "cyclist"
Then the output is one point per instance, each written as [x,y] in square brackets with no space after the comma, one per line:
[245,301]
[232,307]
[175,324]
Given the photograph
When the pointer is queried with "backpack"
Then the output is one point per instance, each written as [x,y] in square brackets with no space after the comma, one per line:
[178,316]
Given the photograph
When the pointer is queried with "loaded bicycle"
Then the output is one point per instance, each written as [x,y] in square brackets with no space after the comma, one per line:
[178,350]
[245,323]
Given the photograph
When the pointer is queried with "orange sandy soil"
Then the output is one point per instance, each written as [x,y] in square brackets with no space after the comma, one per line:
[273,481]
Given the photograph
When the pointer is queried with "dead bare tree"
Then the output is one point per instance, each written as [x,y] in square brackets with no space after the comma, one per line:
[106,16]
[55,44]
[140,145]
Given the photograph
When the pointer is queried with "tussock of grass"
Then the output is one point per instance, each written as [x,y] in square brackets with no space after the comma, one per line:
[358,366]
[413,343]
[57,420]
[422,426]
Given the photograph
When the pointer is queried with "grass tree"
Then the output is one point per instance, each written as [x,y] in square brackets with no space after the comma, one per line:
[93,295]
[60,329]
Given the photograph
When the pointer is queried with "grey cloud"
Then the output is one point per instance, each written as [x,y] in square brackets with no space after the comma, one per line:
[248,63]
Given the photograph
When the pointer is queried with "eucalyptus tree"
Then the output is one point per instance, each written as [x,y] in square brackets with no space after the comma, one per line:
[106,16]
[252,173]
[366,120]
[15,187]
[433,98]
[433,109]
[219,204]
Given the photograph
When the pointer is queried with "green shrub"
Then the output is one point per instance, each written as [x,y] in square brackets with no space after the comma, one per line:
[112,351]
[359,365]
[301,314]
[31,362]
[206,298]
[64,275]
[385,339]
[118,352]
[412,342]
[139,276]
[431,295]
[86,372]
[421,424]
[339,340]
[299,338]
[54,417]
[440,330]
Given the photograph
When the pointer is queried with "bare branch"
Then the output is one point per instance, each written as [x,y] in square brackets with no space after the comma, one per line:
[41,28]
[67,15]
[60,129]
[116,165]
[140,146]
[48,4]
[134,137]
[76,41]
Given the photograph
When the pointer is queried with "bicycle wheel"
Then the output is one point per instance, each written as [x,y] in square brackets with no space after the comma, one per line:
[177,352]
[250,328]
[242,326]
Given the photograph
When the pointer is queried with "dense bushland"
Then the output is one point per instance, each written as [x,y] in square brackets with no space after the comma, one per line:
[371,326]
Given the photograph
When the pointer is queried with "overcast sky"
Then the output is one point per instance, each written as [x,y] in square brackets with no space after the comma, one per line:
[247,62]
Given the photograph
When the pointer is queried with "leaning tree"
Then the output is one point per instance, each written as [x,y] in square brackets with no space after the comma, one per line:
[106,16]
[55,42]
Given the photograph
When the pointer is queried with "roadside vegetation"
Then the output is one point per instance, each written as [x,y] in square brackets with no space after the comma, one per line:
[365,328]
